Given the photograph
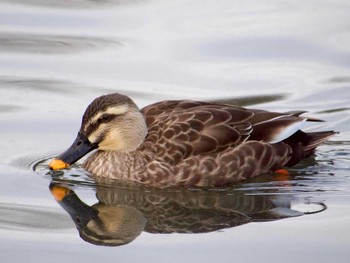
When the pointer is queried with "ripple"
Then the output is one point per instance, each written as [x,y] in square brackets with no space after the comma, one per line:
[72,3]
[8,108]
[19,217]
[41,85]
[32,162]
[335,110]
[51,44]
[339,79]
[74,175]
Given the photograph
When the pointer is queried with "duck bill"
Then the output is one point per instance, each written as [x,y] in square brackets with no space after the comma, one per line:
[80,147]
[80,212]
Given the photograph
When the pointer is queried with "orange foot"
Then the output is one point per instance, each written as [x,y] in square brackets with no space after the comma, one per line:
[282,174]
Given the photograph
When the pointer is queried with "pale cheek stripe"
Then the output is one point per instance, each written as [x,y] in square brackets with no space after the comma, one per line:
[94,135]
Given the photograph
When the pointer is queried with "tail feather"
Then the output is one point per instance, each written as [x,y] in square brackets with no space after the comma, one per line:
[304,144]
[297,113]
[316,138]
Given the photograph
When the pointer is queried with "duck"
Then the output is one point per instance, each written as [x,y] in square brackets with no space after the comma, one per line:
[187,143]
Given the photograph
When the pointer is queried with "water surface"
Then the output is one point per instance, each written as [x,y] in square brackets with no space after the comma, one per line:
[56,56]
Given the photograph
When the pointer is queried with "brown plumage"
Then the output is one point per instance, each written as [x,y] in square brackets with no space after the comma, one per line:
[189,143]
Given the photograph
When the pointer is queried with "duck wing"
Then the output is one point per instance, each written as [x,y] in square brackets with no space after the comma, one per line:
[178,129]
[193,127]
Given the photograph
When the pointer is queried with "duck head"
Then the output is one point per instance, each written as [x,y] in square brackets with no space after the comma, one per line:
[110,123]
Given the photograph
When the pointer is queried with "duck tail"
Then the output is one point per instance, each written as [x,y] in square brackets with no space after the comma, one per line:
[316,138]
[310,141]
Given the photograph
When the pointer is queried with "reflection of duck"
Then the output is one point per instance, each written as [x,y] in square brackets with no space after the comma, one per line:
[122,214]
[187,143]
[100,224]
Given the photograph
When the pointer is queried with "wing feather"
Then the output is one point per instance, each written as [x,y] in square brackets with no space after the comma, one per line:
[203,127]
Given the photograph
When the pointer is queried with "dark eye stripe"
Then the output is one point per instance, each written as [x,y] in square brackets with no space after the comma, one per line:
[105,118]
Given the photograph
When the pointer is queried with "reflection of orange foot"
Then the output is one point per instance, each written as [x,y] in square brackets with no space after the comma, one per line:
[282,175]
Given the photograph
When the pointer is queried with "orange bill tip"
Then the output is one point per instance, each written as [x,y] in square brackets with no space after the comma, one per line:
[57,164]
[59,192]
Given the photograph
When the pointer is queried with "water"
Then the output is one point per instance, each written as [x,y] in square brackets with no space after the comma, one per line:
[56,56]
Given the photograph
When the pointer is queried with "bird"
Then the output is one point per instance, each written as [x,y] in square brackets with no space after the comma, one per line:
[187,143]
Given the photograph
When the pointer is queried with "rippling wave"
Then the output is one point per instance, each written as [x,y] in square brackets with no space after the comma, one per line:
[40,85]
[8,108]
[31,218]
[73,3]
[51,44]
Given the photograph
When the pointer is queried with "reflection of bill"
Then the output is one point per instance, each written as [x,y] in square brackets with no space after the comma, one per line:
[122,214]
[100,224]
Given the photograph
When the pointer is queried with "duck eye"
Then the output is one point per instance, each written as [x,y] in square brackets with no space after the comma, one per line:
[106,117]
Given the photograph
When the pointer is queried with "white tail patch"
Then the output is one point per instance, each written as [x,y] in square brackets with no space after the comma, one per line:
[287,131]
